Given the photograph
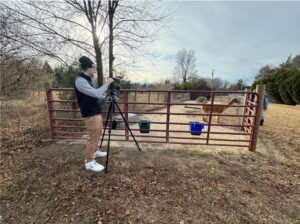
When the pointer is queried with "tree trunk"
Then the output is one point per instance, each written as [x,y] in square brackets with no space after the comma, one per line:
[111,57]
[93,22]
[112,5]
[98,60]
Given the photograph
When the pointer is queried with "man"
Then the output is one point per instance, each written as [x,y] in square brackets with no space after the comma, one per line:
[265,106]
[89,100]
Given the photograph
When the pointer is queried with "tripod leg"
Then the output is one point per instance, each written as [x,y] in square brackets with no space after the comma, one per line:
[110,105]
[127,125]
[109,132]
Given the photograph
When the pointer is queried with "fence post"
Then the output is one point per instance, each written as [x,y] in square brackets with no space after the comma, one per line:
[260,90]
[210,116]
[168,116]
[149,95]
[47,87]
[133,106]
[244,108]
[49,98]
[126,113]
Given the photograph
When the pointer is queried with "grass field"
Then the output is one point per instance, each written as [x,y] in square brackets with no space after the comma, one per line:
[161,184]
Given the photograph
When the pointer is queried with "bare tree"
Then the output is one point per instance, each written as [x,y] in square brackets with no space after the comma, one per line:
[296,61]
[57,29]
[287,63]
[217,83]
[133,25]
[112,5]
[263,71]
[185,65]
[226,85]
[239,85]
[66,29]
[8,47]
[16,72]
[270,69]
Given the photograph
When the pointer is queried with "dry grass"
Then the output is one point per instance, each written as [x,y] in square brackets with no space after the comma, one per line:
[23,123]
[161,184]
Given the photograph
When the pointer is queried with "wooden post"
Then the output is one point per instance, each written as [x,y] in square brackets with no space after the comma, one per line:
[210,117]
[49,96]
[126,114]
[149,95]
[133,107]
[260,90]
[168,117]
[47,87]
[244,108]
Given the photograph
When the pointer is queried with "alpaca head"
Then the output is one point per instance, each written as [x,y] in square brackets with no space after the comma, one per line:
[234,100]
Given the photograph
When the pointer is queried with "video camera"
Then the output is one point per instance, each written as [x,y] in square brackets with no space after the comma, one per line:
[114,87]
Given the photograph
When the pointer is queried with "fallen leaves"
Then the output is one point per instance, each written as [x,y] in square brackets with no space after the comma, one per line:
[55,183]
[248,192]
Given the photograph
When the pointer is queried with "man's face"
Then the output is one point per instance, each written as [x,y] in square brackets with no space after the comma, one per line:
[91,71]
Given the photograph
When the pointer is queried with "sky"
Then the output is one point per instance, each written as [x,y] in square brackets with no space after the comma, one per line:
[234,38]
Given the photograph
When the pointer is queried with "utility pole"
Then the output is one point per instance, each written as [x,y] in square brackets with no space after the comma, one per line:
[212,79]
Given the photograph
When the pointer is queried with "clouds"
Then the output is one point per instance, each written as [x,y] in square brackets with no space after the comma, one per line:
[235,38]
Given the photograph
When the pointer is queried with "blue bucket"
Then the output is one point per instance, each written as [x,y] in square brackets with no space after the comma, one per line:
[195,126]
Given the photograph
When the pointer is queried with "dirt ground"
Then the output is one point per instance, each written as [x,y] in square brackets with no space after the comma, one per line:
[162,184]
[186,119]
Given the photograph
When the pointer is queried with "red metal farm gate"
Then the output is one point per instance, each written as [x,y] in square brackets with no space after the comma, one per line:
[169,117]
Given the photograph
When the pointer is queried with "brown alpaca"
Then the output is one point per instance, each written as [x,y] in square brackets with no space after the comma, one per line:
[217,109]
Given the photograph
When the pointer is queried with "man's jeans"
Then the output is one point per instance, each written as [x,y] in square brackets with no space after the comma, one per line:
[94,128]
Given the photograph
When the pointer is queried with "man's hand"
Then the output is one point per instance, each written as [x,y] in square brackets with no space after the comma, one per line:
[108,98]
[109,81]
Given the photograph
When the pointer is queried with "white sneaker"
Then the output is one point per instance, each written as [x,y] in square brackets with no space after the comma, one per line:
[98,153]
[94,166]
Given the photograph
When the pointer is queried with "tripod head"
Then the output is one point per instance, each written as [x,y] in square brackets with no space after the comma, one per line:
[113,88]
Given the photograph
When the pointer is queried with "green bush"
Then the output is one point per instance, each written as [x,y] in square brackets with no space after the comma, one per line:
[283,85]
[280,86]
[295,87]
[284,93]
[196,84]
[289,86]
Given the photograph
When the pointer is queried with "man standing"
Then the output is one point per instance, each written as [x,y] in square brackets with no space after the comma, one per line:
[89,100]
[266,103]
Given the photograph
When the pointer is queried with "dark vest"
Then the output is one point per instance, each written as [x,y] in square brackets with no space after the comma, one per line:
[88,105]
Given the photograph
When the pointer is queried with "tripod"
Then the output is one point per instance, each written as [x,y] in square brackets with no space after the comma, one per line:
[111,110]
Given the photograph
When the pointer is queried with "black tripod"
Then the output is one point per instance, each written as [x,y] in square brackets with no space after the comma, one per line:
[109,118]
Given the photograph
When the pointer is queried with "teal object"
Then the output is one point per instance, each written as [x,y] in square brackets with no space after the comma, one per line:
[144,124]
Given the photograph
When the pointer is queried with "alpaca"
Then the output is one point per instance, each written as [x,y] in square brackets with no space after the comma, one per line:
[217,109]
[201,99]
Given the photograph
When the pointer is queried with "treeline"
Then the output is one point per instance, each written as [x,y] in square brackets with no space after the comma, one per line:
[199,83]
[21,77]
[216,84]
[282,82]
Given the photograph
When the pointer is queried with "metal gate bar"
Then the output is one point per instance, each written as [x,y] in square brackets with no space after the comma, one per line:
[249,118]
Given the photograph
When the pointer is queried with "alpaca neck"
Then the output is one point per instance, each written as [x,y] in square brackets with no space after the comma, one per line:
[231,101]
